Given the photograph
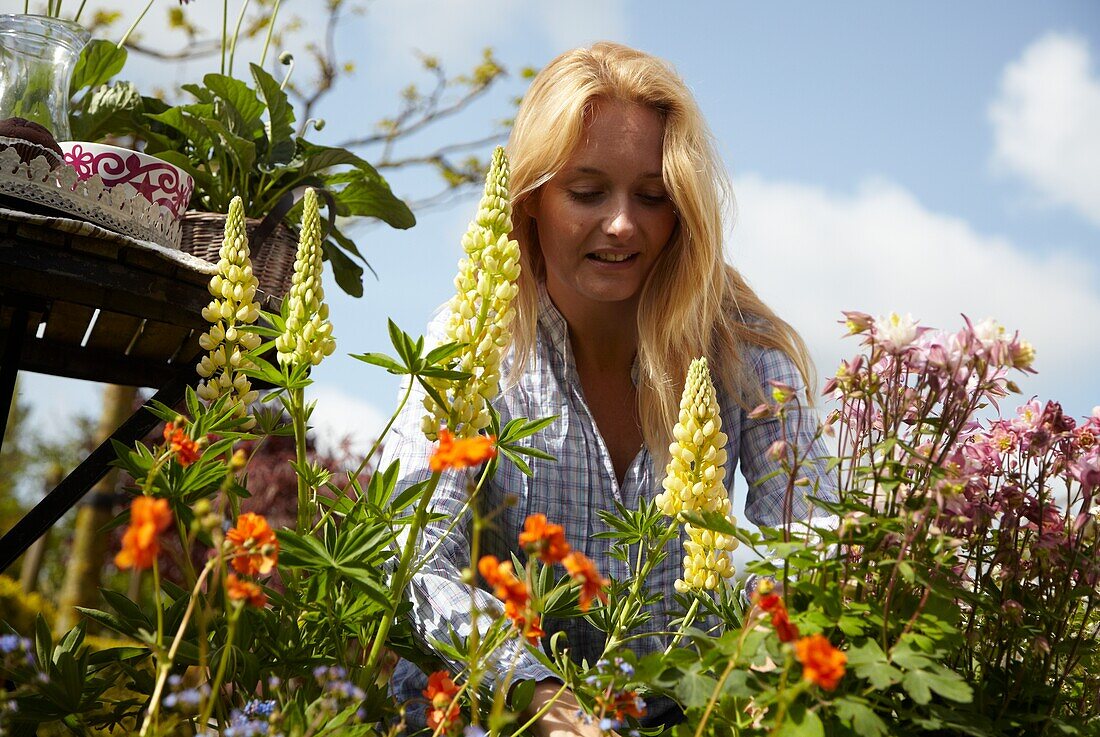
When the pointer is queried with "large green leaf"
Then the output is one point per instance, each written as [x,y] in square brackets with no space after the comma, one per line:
[863,720]
[186,122]
[99,61]
[319,158]
[694,689]
[107,109]
[369,196]
[245,108]
[349,275]
[280,117]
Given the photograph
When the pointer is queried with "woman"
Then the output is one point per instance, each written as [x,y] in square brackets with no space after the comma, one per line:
[618,198]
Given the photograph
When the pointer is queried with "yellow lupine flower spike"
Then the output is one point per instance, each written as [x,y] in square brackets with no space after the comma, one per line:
[694,480]
[234,305]
[307,337]
[481,311]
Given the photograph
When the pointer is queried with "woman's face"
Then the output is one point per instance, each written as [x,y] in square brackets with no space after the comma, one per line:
[605,217]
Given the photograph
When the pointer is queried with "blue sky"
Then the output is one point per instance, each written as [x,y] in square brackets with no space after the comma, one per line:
[935,158]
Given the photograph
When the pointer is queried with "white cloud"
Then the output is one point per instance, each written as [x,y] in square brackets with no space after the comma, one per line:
[811,253]
[1045,122]
[340,416]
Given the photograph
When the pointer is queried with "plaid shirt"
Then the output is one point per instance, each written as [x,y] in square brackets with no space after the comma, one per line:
[570,492]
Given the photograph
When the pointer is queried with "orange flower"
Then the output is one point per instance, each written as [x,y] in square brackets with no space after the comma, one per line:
[256,550]
[592,583]
[784,627]
[461,453]
[822,663]
[441,692]
[626,703]
[148,518]
[772,603]
[182,447]
[503,580]
[514,594]
[246,591]
[544,539]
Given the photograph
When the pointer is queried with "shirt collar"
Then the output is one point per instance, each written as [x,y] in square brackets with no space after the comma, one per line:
[557,333]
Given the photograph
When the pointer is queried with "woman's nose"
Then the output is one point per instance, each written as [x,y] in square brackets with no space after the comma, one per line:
[620,222]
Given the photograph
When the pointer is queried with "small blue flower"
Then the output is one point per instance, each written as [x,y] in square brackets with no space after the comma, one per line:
[626,669]
[473,731]
[257,708]
[606,724]
[10,643]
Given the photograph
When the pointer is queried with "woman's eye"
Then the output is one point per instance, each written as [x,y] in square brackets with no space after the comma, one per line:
[584,195]
[653,198]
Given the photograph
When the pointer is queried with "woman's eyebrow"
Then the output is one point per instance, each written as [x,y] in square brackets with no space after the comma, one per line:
[593,171]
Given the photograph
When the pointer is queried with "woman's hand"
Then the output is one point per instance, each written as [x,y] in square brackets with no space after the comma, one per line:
[560,719]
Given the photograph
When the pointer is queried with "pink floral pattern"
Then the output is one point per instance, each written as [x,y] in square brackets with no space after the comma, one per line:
[160,183]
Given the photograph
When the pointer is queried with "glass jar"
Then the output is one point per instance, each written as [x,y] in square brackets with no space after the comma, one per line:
[37,58]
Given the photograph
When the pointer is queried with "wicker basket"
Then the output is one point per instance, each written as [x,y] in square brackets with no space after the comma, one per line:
[272,259]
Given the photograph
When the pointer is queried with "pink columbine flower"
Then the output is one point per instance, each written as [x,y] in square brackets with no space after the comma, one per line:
[895,333]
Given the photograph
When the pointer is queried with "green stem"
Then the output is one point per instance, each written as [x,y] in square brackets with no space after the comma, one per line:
[688,619]
[225,31]
[400,578]
[126,36]
[299,419]
[270,29]
[236,34]
[235,614]
[368,456]
[76,18]
[166,666]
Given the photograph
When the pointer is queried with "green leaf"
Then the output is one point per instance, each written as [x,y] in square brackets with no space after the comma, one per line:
[280,117]
[522,695]
[317,159]
[240,149]
[247,108]
[381,359]
[105,110]
[369,196]
[801,722]
[349,275]
[695,689]
[916,684]
[99,61]
[868,661]
[186,123]
[711,521]
[863,720]
[949,684]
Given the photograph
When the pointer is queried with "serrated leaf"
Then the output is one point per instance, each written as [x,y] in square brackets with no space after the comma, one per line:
[801,722]
[695,689]
[863,720]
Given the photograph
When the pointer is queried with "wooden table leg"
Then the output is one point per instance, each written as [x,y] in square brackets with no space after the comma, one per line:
[48,511]
[9,364]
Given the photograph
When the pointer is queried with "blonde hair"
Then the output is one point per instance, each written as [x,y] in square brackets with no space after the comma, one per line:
[693,303]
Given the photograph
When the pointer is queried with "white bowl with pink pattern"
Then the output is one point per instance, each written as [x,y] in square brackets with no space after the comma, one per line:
[158,181]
